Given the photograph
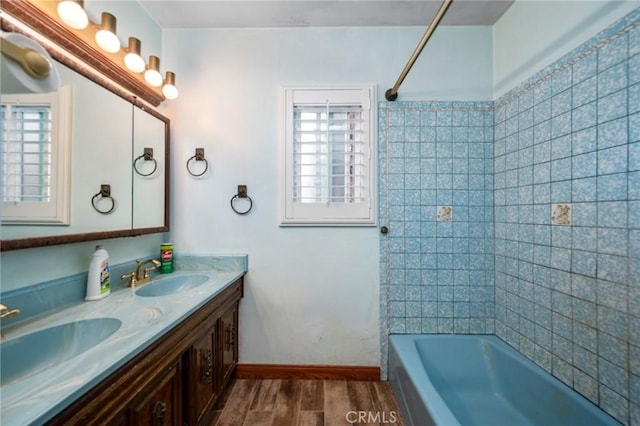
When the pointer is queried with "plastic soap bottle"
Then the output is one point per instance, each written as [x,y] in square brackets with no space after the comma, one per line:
[98,281]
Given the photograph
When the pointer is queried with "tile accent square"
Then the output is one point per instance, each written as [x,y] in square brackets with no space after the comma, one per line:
[445,213]
[561,214]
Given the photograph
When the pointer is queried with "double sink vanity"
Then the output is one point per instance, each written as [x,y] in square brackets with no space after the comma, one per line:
[157,354]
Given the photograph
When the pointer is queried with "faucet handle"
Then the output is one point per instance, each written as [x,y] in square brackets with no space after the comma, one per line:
[132,278]
[6,313]
[156,263]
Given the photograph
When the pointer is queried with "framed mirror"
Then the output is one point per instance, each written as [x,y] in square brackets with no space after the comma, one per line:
[115,138]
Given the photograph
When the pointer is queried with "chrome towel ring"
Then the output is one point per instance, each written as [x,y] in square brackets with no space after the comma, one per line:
[242,193]
[147,155]
[105,192]
[198,156]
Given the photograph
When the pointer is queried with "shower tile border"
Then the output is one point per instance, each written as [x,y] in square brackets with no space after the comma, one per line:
[541,79]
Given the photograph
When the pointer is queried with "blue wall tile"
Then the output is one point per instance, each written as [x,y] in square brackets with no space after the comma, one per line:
[585,92]
[612,187]
[448,166]
[612,80]
[612,133]
[581,273]
[584,141]
[613,53]
[568,297]
[634,127]
[612,106]
[585,116]
[585,68]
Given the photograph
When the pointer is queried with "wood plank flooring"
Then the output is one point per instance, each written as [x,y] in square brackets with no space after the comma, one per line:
[292,402]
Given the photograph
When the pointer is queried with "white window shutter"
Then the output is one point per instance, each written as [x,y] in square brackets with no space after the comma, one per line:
[35,141]
[329,176]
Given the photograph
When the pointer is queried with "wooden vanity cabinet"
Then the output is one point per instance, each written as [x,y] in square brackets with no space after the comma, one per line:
[160,404]
[229,331]
[202,359]
[211,361]
[175,381]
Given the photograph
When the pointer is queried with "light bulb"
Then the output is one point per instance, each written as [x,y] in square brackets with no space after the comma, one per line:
[152,74]
[73,14]
[169,89]
[106,36]
[132,59]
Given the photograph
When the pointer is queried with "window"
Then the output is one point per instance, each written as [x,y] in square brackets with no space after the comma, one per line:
[329,155]
[35,138]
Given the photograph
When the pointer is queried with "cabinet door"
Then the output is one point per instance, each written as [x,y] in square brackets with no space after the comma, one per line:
[160,404]
[203,383]
[229,327]
[100,155]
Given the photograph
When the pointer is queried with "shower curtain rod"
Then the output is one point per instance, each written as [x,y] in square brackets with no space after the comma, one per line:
[392,94]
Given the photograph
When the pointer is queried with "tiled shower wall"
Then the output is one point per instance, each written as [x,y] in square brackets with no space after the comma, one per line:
[436,197]
[568,294]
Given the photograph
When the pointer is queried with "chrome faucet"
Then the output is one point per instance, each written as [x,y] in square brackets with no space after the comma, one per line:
[141,275]
[6,313]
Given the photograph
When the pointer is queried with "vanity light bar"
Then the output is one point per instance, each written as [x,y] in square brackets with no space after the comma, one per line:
[169,89]
[132,59]
[152,74]
[73,14]
[106,36]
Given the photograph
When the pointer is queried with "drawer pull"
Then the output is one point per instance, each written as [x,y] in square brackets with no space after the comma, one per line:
[160,414]
[207,366]
[229,337]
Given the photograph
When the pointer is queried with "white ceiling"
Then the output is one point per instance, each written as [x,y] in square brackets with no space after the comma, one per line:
[319,13]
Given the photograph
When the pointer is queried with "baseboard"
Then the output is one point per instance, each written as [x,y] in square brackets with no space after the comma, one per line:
[316,372]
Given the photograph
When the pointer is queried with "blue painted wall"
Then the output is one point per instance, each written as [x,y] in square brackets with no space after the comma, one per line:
[312,292]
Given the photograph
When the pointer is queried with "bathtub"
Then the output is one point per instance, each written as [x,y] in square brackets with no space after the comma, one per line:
[479,380]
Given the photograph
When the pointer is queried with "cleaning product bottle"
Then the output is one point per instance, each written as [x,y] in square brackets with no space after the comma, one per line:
[166,258]
[98,280]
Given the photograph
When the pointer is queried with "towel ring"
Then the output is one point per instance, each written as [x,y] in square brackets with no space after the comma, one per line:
[105,192]
[242,193]
[147,156]
[198,156]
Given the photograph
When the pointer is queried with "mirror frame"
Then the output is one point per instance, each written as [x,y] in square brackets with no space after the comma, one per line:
[63,45]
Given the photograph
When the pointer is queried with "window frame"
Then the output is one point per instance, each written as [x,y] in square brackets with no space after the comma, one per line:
[57,210]
[327,214]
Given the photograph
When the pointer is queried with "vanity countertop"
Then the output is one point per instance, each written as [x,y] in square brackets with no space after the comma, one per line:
[39,397]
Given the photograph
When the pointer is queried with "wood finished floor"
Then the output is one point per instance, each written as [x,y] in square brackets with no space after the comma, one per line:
[250,402]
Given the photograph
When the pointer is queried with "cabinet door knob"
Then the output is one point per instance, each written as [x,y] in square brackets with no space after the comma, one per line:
[229,337]
[207,366]
[160,414]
